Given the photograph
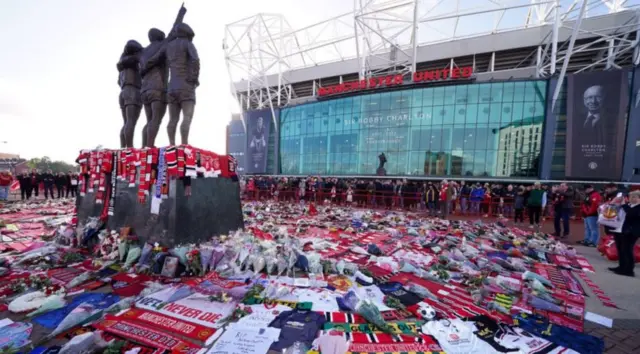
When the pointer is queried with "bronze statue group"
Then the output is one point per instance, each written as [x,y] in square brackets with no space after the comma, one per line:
[163,73]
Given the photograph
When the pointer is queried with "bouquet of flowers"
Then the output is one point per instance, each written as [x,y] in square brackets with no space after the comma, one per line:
[253,292]
[71,257]
[194,264]
[371,313]
[237,314]
[34,282]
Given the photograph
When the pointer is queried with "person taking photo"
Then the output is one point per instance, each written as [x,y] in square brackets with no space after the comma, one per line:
[628,235]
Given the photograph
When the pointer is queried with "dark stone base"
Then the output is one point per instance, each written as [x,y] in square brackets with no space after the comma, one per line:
[212,209]
[381,171]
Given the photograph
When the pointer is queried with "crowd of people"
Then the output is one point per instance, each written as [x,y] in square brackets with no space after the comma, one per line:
[31,184]
[536,201]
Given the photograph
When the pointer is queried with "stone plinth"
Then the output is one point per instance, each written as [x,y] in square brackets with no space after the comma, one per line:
[212,209]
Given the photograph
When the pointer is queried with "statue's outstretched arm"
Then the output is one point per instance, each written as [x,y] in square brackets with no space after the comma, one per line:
[155,59]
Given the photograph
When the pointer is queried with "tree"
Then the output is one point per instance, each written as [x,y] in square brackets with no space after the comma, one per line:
[45,163]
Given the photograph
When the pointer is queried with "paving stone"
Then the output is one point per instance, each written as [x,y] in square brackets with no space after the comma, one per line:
[625,347]
[621,334]
[632,341]
[609,344]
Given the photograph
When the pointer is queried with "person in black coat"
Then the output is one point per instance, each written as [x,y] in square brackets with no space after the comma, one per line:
[49,181]
[25,186]
[72,184]
[60,182]
[34,183]
[626,239]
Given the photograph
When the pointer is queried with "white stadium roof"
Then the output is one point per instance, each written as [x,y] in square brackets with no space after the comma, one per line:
[265,56]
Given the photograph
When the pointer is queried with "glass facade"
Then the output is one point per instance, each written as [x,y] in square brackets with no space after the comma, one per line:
[487,129]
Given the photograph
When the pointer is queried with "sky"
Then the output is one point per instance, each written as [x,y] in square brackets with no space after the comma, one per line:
[58,77]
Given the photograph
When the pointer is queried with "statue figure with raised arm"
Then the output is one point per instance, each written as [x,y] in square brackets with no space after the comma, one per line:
[155,76]
[184,71]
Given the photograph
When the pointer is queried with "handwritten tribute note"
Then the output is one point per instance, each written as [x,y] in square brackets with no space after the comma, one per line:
[236,340]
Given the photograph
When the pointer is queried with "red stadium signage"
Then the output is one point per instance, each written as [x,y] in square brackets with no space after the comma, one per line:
[397,80]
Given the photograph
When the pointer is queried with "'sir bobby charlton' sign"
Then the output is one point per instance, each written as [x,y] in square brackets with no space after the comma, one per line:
[397,80]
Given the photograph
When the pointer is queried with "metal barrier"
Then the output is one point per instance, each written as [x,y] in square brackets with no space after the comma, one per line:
[385,200]
[510,180]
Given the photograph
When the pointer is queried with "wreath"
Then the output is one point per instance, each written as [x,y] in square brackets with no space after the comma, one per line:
[28,302]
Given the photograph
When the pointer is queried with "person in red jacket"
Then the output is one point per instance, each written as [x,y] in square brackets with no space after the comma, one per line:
[5,184]
[589,208]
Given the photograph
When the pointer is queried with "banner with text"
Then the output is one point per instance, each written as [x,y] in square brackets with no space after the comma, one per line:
[596,116]
[258,125]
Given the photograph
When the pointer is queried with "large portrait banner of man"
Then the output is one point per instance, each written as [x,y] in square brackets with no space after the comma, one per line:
[258,125]
[597,105]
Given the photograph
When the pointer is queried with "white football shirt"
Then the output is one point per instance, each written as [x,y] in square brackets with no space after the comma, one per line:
[457,337]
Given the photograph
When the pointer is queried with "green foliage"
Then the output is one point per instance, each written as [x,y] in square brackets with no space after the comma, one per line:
[45,163]
[116,347]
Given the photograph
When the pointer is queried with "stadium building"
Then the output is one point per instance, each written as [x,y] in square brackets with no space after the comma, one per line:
[532,89]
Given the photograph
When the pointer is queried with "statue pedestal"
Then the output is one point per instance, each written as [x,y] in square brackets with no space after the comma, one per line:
[213,208]
[381,171]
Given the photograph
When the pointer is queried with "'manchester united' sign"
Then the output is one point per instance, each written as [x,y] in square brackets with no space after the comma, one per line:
[397,80]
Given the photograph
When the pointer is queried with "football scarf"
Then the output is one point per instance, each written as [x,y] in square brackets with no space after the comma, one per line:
[91,171]
[379,337]
[397,348]
[580,262]
[606,300]
[229,165]
[186,329]
[385,352]
[114,183]
[181,160]
[63,276]
[93,285]
[343,317]
[143,349]
[170,156]
[571,262]
[216,168]
[190,162]
[143,177]
[144,335]
[396,315]
[122,164]
[560,278]
[107,162]
[82,160]
[100,179]
[397,327]
[108,337]
[161,174]
[305,306]
[82,184]
[132,160]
